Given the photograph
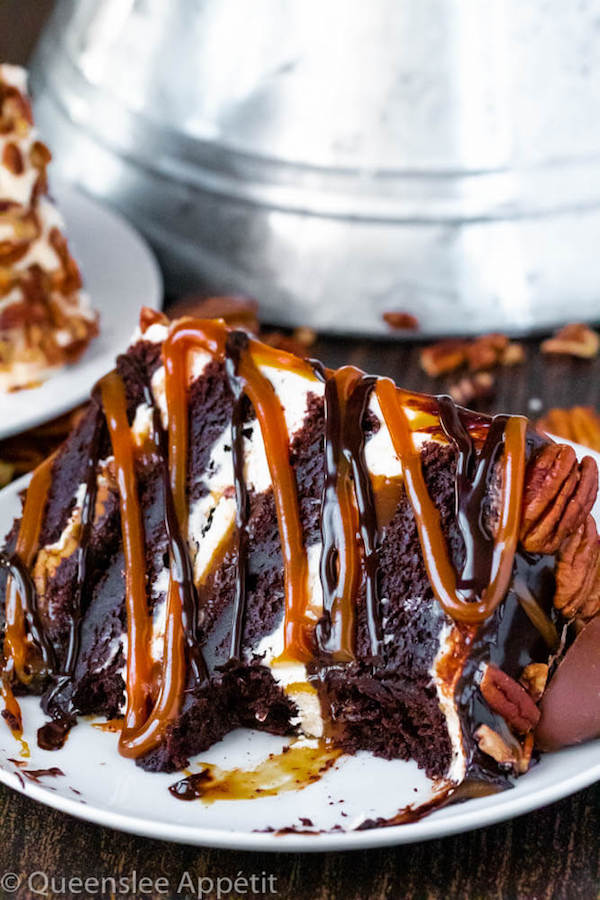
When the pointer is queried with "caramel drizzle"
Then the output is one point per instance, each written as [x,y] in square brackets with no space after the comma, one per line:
[146,732]
[21,600]
[347,506]
[268,411]
[138,675]
[180,563]
[18,601]
[441,573]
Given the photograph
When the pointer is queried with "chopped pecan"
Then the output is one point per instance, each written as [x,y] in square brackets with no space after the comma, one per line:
[525,755]
[577,423]
[12,158]
[495,746]
[39,155]
[149,317]
[534,678]
[508,753]
[484,352]
[305,336]
[401,321]
[445,356]
[558,495]
[512,355]
[573,340]
[479,386]
[577,573]
[509,699]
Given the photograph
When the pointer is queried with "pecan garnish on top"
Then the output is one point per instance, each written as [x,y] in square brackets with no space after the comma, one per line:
[558,495]
[575,339]
[578,573]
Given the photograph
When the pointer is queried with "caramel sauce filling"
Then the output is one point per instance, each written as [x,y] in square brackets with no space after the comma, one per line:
[388,493]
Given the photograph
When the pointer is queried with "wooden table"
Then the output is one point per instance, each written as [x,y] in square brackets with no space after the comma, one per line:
[554,852]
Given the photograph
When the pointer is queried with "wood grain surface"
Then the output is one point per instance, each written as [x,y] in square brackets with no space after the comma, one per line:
[554,852]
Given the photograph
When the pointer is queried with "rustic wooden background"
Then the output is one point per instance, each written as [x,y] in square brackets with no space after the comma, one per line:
[554,852]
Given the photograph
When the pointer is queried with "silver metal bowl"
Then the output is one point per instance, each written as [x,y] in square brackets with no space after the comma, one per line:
[340,159]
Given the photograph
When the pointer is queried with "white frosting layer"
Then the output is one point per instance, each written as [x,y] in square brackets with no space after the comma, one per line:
[458,766]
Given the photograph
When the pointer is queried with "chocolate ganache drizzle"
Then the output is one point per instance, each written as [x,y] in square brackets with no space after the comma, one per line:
[348,520]
[347,497]
[57,700]
[237,342]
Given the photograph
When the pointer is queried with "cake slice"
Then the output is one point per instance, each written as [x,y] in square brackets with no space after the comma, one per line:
[235,536]
[45,318]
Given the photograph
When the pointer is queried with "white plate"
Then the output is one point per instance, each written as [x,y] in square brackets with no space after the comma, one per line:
[102,787]
[120,275]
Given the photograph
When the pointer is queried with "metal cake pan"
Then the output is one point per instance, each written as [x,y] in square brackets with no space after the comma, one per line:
[339,160]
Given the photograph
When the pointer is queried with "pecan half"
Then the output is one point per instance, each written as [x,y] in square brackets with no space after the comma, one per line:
[524,760]
[534,678]
[509,699]
[149,317]
[445,356]
[577,573]
[401,321]
[558,495]
[484,352]
[577,423]
[573,340]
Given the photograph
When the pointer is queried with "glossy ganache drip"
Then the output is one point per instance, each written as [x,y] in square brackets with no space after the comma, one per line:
[347,506]
[23,584]
[58,701]
[348,522]
[237,343]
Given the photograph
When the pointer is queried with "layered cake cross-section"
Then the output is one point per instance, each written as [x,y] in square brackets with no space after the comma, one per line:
[236,536]
[45,318]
